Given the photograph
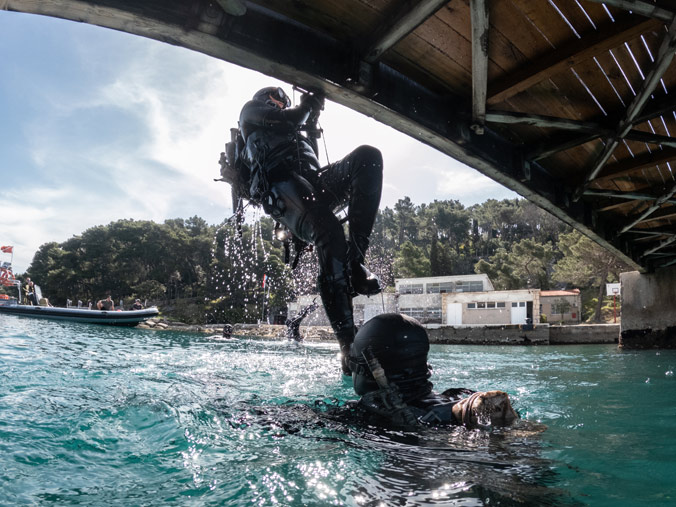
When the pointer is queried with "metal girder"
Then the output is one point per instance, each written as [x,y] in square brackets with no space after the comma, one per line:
[408,18]
[663,59]
[631,166]
[480,30]
[657,108]
[662,245]
[233,7]
[657,205]
[631,196]
[644,8]
[562,143]
[574,125]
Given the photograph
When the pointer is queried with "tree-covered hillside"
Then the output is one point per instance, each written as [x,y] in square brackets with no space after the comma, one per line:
[220,270]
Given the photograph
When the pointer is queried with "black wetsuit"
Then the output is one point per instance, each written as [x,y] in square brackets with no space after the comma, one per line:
[287,179]
[432,408]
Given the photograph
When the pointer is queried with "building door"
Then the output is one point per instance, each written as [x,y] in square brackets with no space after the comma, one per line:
[454,314]
[519,312]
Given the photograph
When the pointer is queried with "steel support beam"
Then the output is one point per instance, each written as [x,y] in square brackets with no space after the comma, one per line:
[480,30]
[408,18]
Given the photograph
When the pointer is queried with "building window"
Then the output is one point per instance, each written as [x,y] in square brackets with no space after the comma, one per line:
[440,287]
[522,304]
[514,305]
[490,304]
[411,288]
[500,305]
[481,305]
[433,316]
[416,313]
[469,287]
[471,306]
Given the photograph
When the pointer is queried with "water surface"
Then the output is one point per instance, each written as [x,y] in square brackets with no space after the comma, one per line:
[97,415]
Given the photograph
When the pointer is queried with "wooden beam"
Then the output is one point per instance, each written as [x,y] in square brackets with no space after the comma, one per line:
[647,9]
[663,59]
[480,30]
[409,16]
[648,216]
[632,165]
[595,43]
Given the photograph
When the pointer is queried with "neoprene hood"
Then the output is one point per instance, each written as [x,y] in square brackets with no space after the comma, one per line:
[401,346]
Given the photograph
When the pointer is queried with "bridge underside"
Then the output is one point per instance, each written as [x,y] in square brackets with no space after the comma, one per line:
[566,102]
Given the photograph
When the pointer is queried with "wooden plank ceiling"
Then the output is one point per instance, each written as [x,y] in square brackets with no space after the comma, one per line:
[569,102]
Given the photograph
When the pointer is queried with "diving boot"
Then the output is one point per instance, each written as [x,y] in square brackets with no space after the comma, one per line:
[337,302]
[363,281]
[345,360]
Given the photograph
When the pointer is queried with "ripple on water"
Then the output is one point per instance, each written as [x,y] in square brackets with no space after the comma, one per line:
[102,416]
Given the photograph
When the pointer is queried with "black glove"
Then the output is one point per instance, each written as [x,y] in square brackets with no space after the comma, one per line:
[314,102]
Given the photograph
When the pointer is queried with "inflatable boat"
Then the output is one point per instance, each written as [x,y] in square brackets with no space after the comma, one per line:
[111,318]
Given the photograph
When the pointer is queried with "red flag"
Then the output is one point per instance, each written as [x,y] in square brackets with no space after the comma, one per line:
[265,277]
[6,249]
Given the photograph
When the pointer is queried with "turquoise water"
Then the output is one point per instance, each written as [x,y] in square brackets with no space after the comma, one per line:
[105,416]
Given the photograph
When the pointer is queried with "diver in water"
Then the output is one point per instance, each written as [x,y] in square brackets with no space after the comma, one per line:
[390,372]
[293,325]
[285,177]
[227,331]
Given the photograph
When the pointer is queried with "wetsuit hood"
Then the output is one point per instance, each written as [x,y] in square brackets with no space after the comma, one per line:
[401,345]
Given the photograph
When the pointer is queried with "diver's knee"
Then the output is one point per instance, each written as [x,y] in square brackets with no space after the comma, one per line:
[323,230]
[371,157]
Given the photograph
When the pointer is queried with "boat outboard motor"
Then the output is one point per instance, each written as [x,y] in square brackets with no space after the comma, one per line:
[400,345]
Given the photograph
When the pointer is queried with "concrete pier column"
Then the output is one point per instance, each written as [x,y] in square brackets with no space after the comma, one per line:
[648,309]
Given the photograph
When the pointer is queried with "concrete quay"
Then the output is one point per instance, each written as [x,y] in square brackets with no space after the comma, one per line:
[540,334]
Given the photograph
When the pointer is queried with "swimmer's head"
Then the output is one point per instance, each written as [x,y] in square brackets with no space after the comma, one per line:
[401,346]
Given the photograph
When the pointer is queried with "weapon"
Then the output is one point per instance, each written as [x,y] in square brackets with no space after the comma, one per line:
[232,170]
[390,396]
[229,167]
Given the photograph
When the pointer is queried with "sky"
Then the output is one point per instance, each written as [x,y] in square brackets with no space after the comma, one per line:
[99,125]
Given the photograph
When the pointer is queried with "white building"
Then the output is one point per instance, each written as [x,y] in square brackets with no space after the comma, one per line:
[490,308]
[421,298]
[461,300]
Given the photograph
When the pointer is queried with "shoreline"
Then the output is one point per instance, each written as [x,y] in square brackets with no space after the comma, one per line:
[542,334]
